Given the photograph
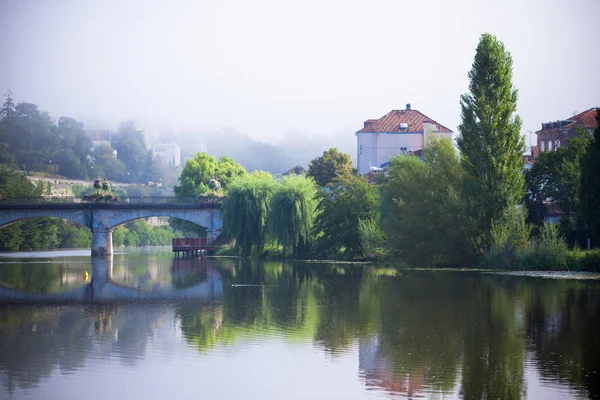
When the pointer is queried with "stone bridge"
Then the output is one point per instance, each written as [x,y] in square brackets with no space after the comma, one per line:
[103,218]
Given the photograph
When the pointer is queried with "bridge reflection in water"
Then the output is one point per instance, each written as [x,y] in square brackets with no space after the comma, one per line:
[103,289]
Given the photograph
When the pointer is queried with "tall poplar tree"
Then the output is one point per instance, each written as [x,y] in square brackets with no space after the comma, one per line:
[490,140]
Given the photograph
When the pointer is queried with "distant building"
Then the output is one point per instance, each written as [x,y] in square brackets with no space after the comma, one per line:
[99,136]
[555,134]
[168,154]
[399,131]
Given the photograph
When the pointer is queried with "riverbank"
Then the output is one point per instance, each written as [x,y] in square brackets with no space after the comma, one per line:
[537,258]
[532,258]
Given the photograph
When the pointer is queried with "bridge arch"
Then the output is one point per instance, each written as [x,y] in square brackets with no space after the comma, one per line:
[80,218]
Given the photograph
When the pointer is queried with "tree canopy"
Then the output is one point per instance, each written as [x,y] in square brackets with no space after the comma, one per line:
[292,214]
[422,208]
[556,175]
[331,165]
[199,170]
[342,206]
[590,181]
[245,211]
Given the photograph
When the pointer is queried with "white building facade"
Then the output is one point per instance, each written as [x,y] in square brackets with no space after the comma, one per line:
[397,132]
[168,154]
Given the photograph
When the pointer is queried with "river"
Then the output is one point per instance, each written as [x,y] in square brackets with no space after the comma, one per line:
[153,326]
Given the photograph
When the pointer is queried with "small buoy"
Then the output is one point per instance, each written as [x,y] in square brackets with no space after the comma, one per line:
[86,276]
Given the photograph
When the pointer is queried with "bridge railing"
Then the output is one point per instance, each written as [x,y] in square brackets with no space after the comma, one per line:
[132,200]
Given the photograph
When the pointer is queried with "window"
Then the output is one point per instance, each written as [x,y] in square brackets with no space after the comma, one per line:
[549,145]
[556,144]
[543,145]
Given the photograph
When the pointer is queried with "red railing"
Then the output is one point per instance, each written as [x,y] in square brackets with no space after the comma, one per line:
[190,242]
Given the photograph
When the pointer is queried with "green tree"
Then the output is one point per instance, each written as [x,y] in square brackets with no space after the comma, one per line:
[590,182]
[106,164]
[74,150]
[194,181]
[105,185]
[331,165]
[342,206]
[490,141]
[422,207]
[556,176]
[131,150]
[98,185]
[199,170]
[31,234]
[292,212]
[245,210]
[7,114]
[28,134]
[15,184]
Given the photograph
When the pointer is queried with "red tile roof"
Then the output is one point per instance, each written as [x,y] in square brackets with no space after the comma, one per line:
[392,120]
[586,120]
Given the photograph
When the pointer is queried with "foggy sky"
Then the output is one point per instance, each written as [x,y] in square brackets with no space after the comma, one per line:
[268,68]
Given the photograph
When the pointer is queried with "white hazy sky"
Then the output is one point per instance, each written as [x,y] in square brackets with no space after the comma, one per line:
[270,67]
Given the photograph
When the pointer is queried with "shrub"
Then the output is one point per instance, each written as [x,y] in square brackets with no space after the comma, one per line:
[508,237]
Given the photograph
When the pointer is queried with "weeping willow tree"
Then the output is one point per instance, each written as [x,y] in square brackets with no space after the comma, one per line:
[245,210]
[292,213]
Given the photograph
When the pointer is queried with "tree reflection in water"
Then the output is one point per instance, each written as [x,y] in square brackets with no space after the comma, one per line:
[416,332]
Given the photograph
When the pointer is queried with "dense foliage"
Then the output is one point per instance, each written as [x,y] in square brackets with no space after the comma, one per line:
[342,206]
[490,141]
[35,233]
[245,210]
[590,182]
[555,181]
[330,166]
[292,213]
[422,207]
[139,233]
[198,172]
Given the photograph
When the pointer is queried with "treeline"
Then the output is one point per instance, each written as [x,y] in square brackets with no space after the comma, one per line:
[31,141]
[465,207]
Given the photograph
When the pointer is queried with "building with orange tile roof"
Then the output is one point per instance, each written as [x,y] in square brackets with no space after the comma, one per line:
[397,132]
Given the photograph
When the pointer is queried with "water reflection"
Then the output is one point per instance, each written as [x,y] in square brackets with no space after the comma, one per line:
[414,334]
[194,279]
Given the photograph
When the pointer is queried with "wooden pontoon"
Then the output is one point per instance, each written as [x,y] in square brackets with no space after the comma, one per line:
[192,246]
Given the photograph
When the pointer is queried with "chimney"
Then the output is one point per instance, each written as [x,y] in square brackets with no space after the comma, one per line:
[369,122]
[408,106]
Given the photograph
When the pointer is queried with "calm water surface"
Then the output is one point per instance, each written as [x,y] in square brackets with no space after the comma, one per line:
[232,329]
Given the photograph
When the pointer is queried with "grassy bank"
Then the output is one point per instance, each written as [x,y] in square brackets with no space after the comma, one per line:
[548,252]
[535,258]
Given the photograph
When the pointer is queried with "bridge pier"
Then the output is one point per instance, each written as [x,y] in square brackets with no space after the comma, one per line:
[212,235]
[102,244]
